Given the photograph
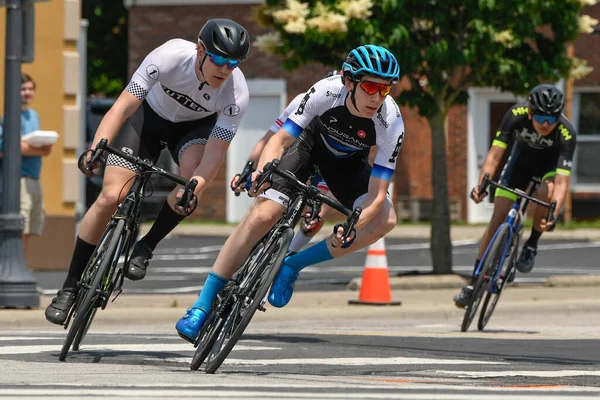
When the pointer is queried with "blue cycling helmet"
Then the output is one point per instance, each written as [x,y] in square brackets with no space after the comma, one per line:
[372,60]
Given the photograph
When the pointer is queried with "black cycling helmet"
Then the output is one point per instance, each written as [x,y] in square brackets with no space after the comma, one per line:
[546,100]
[226,38]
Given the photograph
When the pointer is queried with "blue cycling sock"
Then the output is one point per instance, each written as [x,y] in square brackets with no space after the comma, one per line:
[213,285]
[313,255]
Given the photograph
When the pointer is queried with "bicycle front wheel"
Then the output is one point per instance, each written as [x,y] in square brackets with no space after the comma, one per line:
[488,269]
[251,294]
[493,295]
[90,290]
[209,332]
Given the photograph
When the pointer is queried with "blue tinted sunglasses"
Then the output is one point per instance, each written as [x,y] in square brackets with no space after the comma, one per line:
[551,119]
[219,61]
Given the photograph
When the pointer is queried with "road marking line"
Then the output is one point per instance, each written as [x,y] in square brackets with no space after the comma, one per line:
[539,374]
[402,390]
[358,361]
[153,347]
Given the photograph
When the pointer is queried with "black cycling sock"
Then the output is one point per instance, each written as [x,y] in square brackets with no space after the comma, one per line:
[166,221]
[474,269]
[534,238]
[81,255]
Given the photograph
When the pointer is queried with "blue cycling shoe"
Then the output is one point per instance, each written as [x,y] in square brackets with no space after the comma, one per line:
[188,327]
[283,286]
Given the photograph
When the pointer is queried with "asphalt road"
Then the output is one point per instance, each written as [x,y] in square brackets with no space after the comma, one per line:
[421,359]
[181,264]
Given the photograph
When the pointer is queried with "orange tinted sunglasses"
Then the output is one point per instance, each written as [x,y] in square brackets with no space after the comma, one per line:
[374,87]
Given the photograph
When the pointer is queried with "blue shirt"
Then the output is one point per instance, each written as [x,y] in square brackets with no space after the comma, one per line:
[31,166]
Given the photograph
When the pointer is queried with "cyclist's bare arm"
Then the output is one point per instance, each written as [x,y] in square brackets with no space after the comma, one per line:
[114,119]
[373,201]
[490,165]
[561,187]
[260,146]
[214,154]
[275,147]
[253,157]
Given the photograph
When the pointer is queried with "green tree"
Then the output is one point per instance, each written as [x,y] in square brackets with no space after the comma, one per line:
[443,48]
[107,46]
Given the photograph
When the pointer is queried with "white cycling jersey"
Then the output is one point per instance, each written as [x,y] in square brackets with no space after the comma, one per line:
[286,113]
[322,111]
[167,80]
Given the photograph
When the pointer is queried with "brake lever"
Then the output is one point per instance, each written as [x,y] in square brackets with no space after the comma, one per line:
[98,152]
[483,186]
[350,222]
[551,209]
[188,193]
[243,177]
[266,175]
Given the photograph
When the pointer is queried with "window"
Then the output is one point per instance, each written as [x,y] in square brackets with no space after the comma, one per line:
[586,119]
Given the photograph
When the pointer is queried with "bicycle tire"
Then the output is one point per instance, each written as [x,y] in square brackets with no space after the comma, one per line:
[208,336]
[491,299]
[269,261]
[483,279]
[82,332]
[219,313]
[89,298]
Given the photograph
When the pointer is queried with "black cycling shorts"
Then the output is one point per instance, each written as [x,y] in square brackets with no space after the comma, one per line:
[142,133]
[347,178]
[523,166]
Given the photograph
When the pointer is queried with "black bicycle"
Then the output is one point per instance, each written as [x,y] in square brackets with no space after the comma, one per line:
[103,274]
[247,290]
[498,264]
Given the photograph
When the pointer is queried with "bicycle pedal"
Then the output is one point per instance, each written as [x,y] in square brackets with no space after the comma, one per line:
[261,306]
[118,292]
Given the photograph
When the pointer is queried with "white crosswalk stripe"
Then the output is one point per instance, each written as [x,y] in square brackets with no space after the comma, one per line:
[155,366]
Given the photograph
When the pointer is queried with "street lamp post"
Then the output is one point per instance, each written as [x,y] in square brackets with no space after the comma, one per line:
[17,286]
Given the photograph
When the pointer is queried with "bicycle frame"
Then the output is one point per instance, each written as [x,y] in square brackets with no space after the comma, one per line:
[513,219]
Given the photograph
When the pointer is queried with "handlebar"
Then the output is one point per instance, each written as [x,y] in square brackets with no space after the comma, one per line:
[488,182]
[312,192]
[145,165]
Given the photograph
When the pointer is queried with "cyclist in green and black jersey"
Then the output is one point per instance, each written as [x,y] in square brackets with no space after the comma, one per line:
[544,144]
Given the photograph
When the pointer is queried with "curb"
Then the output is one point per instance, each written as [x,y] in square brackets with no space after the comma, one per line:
[451,281]
[572,281]
[422,232]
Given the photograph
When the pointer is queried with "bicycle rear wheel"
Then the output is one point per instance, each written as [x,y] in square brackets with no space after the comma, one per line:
[493,295]
[90,290]
[252,291]
[484,278]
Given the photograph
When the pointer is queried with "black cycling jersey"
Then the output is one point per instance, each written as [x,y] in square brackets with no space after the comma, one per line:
[533,155]
[557,148]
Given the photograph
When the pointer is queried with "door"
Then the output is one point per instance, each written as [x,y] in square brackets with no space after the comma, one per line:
[486,108]
[267,101]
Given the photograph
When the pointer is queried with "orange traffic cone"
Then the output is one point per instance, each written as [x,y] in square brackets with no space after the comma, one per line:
[375,287]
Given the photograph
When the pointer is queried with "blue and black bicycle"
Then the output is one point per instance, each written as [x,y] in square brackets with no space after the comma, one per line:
[497,266]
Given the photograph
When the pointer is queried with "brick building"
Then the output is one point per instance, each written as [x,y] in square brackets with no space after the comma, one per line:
[152,22]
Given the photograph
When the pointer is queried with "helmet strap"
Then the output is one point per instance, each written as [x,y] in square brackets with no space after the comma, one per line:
[352,98]
[202,64]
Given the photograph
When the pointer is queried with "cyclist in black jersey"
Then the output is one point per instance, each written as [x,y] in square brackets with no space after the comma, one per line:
[544,144]
[337,122]
[189,95]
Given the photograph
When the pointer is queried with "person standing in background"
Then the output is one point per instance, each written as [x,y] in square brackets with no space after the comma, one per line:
[32,202]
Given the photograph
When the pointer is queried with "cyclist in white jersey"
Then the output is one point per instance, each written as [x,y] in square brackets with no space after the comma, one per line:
[188,95]
[336,123]
[308,227]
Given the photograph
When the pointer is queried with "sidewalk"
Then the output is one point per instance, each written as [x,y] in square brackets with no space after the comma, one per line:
[461,232]
[327,311]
